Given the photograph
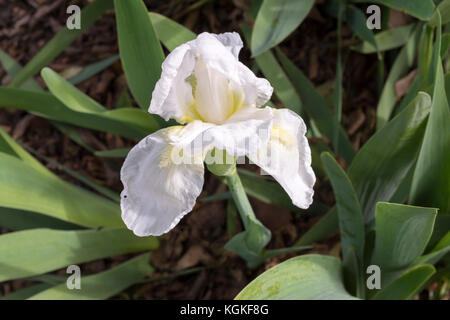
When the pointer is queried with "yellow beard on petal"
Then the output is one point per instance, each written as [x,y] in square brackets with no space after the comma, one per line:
[283,137]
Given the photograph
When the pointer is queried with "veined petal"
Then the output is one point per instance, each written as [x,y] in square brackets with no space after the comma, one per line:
[161,184]
[287,157]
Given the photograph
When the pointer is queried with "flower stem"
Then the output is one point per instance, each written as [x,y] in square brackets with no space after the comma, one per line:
[240,198]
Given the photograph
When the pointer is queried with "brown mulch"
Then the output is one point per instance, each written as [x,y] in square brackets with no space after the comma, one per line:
[27,25]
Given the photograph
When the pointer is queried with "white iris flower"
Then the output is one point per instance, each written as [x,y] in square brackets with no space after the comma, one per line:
[204,86]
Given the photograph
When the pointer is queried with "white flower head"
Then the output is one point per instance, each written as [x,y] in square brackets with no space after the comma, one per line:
[217,100]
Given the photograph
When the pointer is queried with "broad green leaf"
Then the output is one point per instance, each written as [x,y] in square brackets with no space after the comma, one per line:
[387,40]
[32,252]
[276,19]
[316,106]
[402,234]
[272,70]
[407,285]
[307,277]
[12,68]
[140,50]
[386,158]
[351,221]
[402,192]
[27,292]
[61,41]
[381,165]
[402,64]
[102,285]
[73,134]
[16,220]
[444,11]
[127,122]
[431,181]
[422,9]
[11,147]
[77,101]
[169,32]
[69,94]
[25,188]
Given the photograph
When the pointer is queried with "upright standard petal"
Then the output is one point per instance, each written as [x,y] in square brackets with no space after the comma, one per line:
[161,184]
[204,80]
[287,157]
[172,96]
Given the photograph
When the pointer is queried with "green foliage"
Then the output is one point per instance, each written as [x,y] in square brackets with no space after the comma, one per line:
[422,9]
[140,51]
[276,19]
[102,285]
[404,287]
[402,233]
[432,171]
[387,39]
[54,223]
[312,277]
[25,188]
[351,222]
[32,252]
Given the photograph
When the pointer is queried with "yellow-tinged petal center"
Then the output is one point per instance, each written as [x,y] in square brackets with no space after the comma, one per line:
[283,137]
[215,98]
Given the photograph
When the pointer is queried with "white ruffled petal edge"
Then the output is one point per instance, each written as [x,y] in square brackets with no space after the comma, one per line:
[232,41]
[287,157]
[172,95]
[158,193]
